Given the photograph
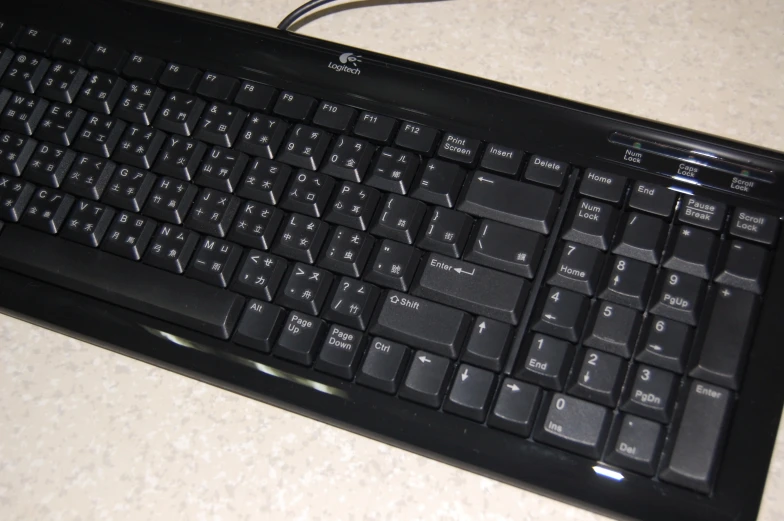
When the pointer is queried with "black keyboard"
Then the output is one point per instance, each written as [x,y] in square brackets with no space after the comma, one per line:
[556,296]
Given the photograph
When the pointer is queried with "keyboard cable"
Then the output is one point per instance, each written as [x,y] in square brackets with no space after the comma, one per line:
[307,7]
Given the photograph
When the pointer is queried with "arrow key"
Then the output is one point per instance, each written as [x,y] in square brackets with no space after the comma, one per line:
[600,377]
[426,380]
[547,362]
[563,314]
[487,344]
[471,392]
[666,344]
[515,408]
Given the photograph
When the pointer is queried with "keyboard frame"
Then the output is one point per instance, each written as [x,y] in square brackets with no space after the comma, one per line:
[459,103]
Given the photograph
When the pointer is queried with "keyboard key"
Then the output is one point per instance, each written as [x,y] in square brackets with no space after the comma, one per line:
[259,325]
[702,212]
[305,147]
[129,235]
[471,392]
[427,379]
[87,223]
[629,283]
[220,124]
[110,59]
[101,92]
[613,329]
[501,159]
[217,87]
[641,237]
[180,157]
[393,265]
[650,393]
[347,252]
[256,225]
[9,32]
[171,248]
[138,146]
[562,314]
[440,183]
[421,323]
[259,275]
[22,113]
[301,238]
[94,273]
[294,106]
[505,248]
[215,261]
[179,114]
[399,219]
[546,363]
[305,289]
[262,135]
[170,200]
[139,103]
[691,251]
[577,269]
[49,164]
[353,303]
[47,210]
[15,151]
[651,198]
[348,159]
[591,223]
[334,117]
[308,193]
[459,148]
[547,171]
[574,425]
[71,49]
[34,39]
[341,352]
[512,202]
[665,343]
[301,337]
[62,82]
[212,213]
[393,170]
[598,377]
[725,334]
[221,169]
[99,135]
[374,127]
[264,181]
[416,137]
[25,72]
[353,206]
[472,288]
[14,196]
[678,296]
[486,347]
[744,266]
[635,444]
[60,124]
[692,458]
[515,407]
[179,77]
[754,226]
[141,67]
[446,232]
[384,365]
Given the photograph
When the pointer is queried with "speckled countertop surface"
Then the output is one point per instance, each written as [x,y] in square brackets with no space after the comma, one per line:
[89,434]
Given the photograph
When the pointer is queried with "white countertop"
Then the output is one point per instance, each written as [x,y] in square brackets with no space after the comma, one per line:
[89,434]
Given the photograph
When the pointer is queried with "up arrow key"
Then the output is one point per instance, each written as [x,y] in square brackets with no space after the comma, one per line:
[482,327]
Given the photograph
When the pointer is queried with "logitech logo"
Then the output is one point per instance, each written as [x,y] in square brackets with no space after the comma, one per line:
[348,63]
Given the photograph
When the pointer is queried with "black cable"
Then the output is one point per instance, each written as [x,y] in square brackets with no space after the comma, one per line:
[306,8]
[300,11]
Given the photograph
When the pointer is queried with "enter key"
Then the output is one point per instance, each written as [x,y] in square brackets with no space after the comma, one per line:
[472,288]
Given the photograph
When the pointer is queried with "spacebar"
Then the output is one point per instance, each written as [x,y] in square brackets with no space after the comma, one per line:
[142,288]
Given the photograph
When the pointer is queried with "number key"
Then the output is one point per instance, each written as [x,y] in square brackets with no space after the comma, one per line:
[613,329]
[651,393]
[220,124]
[678,296]
[139,103]
[305,147]
[25,72]
[629,283]
[578,268]
[665,344]
[179,114]
[62,82]
[599,378]
[563,314]
[349,159]
[100,92]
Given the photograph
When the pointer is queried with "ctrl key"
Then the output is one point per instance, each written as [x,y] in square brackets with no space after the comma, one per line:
[384,365]
[574,425]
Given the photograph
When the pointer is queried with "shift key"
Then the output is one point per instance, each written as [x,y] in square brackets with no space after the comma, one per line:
[472,288]
[513,202]
[420,323]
